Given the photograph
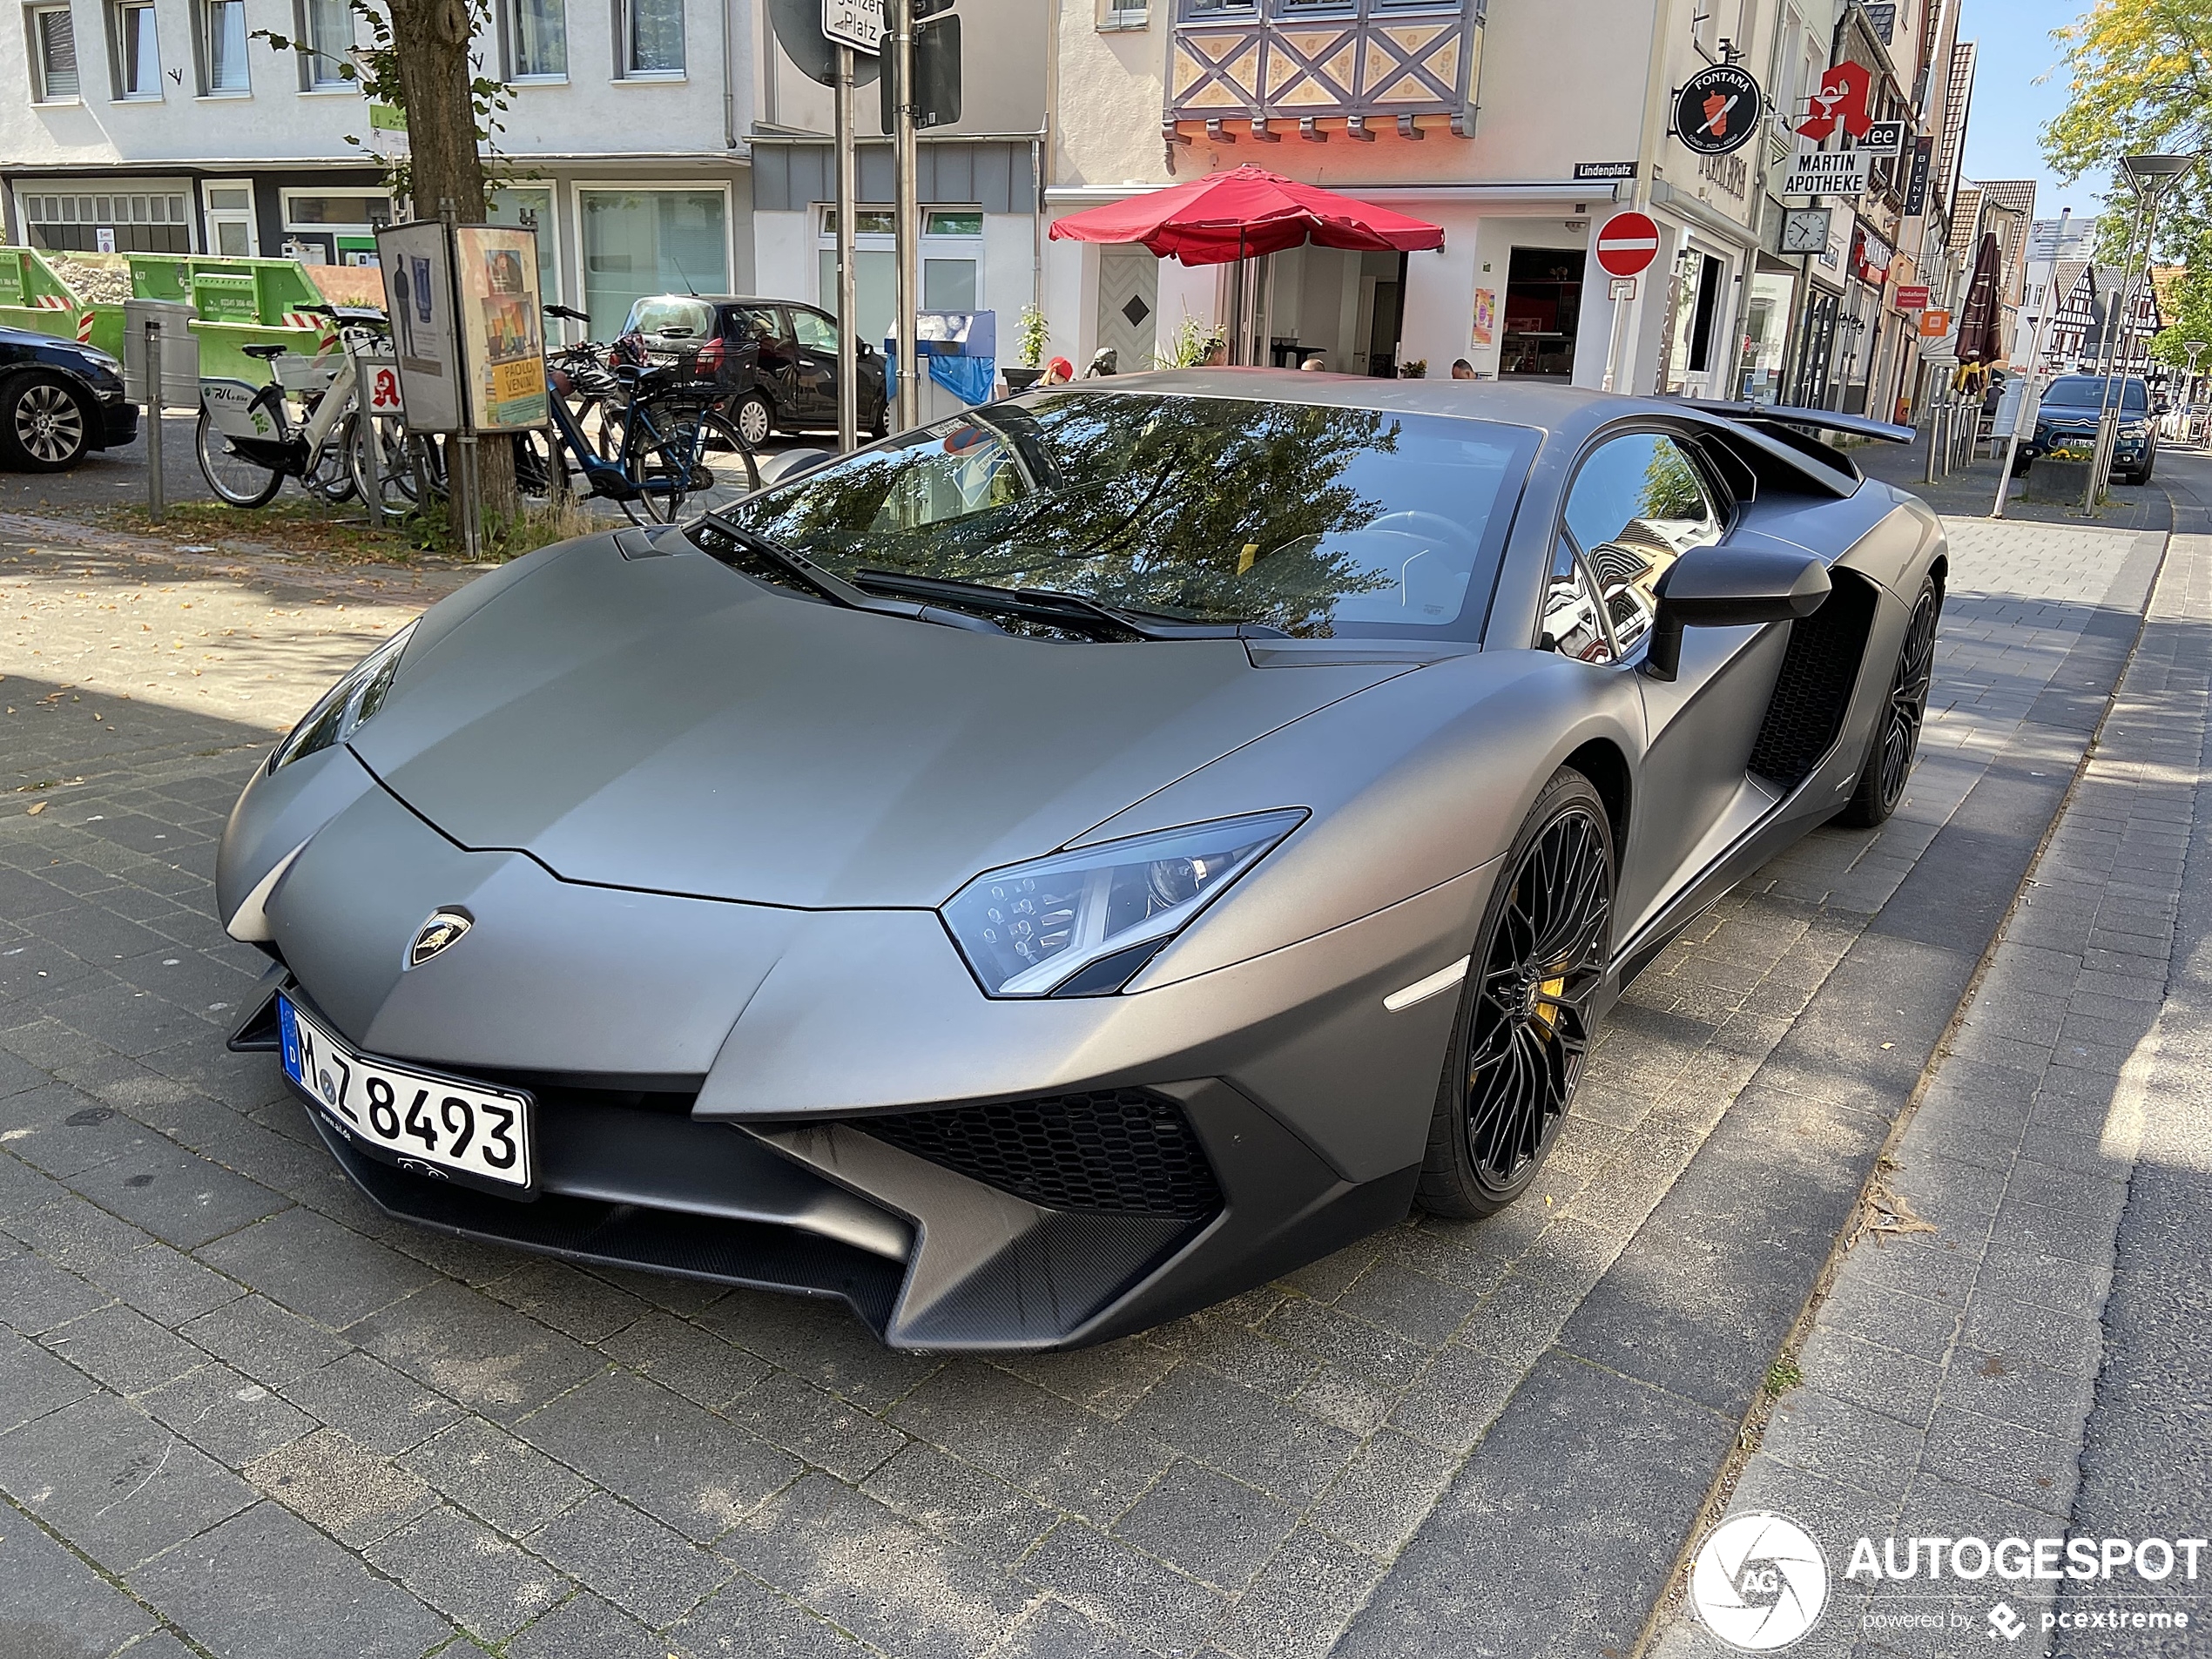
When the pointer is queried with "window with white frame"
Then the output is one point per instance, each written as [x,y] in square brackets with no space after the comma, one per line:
[1124,14]
[223,47]
[652,38]
[951,263]
[138,217]
[137,50]
[53,54]
[537,40]
[647,241]
[326,38]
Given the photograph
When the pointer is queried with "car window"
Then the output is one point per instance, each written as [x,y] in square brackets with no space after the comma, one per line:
[1637,505]
[672,315]
[815,332]
[1571,622]
[2087,391]
[1317,521]
[762,324]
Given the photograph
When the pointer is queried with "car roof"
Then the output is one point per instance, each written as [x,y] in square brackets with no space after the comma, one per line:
[727,299]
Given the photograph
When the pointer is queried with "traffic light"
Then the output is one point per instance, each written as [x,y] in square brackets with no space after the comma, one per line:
[936,68]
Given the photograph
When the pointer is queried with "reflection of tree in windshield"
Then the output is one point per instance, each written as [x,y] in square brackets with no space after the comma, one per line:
[1187,506]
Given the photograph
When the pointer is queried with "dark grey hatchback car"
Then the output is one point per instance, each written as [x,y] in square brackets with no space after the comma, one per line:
[773,360]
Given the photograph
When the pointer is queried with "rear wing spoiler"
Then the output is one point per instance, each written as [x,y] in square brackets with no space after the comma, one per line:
[1858,425]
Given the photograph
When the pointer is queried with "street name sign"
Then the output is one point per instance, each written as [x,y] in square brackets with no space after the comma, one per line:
[857,23]
[1598,172]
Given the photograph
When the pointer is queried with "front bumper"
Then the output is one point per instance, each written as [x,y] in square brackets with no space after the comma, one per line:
[118,424]
[715,1079]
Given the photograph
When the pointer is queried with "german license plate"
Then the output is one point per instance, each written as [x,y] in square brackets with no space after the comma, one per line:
[415,1117]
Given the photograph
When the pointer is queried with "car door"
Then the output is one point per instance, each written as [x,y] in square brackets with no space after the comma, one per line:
[765,337]
[816,364]
[1641,500]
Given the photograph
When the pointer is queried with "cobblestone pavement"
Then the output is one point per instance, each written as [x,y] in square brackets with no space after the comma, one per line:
[1950,1371]
[243,1413]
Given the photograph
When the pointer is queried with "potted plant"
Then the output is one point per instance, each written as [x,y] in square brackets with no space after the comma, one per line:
[1031,336]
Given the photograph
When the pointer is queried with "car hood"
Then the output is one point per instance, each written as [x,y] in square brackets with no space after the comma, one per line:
[668,725]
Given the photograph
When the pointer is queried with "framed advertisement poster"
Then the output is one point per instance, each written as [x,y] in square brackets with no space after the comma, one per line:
[502,330]
[418,297]
[1486,317]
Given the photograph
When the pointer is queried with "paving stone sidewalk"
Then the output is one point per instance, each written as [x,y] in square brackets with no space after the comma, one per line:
[243,1413]
[1949,1373]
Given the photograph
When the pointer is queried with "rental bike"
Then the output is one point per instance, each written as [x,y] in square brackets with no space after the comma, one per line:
[248,443]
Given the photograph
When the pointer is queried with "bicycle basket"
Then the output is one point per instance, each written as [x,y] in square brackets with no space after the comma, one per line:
[298,374]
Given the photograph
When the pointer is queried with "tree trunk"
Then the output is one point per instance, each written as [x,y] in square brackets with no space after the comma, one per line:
[430,40]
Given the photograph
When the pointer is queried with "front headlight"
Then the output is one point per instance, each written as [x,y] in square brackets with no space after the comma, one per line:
[344,706]
[2135,428]
[1082,923]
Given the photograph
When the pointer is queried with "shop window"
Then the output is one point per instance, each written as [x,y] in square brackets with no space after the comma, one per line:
[222,48]
[640,242]
[1543,314]
[138,51]
[334,227]
[138,219]
[537,40]
[652,38]
[53,54]
[326,33]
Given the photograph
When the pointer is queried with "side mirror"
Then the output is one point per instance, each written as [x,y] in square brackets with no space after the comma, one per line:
[1729,587]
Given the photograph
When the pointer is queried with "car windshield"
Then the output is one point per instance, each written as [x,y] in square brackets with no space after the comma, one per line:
[1318,522]
[674,314]
[2087,391]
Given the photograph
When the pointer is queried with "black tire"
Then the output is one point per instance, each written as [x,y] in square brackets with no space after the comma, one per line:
[880,425]
[754,418]
[232,476]
[46,424]
[700,465]
[1526,1019]
[1896,740]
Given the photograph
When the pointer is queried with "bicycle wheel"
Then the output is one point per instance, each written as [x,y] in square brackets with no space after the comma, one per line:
[236,479]
[730,469]
[331,475]
[534,478]
[383,464]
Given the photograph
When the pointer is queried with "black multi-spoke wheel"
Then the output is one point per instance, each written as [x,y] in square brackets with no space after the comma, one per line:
[1896,741]
[1526,1014]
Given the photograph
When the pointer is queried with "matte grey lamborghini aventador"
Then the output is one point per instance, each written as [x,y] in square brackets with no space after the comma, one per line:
[1053,870]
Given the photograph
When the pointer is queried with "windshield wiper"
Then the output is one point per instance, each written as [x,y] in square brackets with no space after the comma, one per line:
[826,585]
[1047,605]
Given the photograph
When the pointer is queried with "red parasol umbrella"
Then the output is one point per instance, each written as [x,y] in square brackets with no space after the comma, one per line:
[1243,213]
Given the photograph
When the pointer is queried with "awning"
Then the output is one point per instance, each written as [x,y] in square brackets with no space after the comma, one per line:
[1243,213]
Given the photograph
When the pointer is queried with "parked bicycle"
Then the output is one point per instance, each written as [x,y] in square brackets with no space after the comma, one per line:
[248,443]
[671,452]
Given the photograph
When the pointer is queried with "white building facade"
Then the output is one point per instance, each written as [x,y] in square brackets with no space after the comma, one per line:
[166,126]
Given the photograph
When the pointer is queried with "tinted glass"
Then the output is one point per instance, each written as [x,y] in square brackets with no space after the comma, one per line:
[1571,625]
[1319,522]
[2080,391]
[1638,503]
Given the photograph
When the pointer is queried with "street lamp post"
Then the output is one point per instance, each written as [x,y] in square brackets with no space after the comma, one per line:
[2151,175]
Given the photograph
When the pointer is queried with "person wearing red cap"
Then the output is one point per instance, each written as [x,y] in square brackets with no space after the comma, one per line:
[1059,372]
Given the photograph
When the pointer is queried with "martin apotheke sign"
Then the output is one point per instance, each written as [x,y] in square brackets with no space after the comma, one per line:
[1828,172]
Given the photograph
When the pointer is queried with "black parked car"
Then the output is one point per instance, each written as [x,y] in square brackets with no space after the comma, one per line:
[774,362]
[58,400]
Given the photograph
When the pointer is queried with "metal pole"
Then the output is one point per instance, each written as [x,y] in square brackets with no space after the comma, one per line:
[909,212]
[463,482]
[2116,325]
[848,310]
[156,484]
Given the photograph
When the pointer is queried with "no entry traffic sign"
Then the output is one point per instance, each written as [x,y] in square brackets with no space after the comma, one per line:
[1627,244]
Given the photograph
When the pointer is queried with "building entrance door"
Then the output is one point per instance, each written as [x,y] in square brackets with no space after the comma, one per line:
[1128,294]
[1543,311]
